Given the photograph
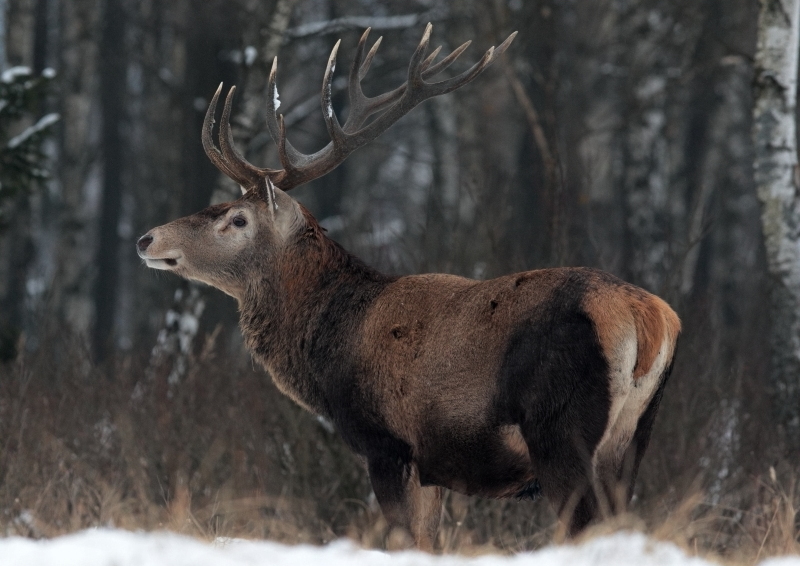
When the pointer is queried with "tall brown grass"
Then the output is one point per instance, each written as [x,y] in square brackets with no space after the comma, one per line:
[223,453]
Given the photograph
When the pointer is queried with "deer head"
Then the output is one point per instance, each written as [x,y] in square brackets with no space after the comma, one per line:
[225,244]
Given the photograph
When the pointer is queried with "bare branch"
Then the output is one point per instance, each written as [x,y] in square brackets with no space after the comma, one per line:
[360,22]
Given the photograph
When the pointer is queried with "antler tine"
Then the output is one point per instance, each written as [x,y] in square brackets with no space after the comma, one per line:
[446,62]
[503,46]
[289,156]
[414,66]
[358,101]
[331,120]
[362,107]
[449,85]
[355,68]
[234,159]
[362,72]
[430,58]
[273,102]
[211,150]
[488,58]
[287,164]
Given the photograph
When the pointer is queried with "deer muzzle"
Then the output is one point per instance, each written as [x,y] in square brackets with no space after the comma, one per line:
[166,260]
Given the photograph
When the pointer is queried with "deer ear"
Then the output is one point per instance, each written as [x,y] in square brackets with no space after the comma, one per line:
[286,214]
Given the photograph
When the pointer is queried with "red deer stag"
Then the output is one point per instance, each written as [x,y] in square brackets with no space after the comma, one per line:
[547,380]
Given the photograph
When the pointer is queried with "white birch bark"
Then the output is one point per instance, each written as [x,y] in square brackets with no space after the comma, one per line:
[776,168]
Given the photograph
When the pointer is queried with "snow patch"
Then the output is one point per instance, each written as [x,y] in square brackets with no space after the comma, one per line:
[275,98]
[326,424]
[250,53]
[651,87]
[35,286]
[107,547]
[328,90]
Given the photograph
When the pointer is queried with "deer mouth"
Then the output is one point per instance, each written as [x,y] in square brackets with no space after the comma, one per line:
[160,262]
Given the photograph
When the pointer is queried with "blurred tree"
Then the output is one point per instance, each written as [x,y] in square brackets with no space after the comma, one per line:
[112,67]
[3,56]
[22,164]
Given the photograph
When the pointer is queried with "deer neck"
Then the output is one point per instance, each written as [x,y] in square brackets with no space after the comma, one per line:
[299,319]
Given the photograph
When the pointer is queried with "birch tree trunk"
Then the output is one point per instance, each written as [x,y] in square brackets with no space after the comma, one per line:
[776,168]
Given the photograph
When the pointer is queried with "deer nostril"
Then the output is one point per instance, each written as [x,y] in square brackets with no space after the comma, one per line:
[144,241]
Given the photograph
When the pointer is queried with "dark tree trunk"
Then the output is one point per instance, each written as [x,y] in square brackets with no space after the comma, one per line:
[112,67]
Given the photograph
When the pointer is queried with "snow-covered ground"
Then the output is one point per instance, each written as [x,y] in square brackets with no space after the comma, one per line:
[122,548]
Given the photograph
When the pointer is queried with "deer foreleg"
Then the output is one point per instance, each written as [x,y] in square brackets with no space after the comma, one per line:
[407,505]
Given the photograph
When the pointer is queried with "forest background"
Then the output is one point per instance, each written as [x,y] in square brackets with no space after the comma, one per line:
[614,133]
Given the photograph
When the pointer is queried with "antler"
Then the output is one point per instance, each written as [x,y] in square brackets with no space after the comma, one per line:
[300,168]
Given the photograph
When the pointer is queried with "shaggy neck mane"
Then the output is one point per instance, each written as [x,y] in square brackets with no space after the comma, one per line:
[315,258]
[312,288]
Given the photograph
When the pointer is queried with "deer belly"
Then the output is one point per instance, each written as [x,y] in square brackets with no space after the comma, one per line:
[495,464]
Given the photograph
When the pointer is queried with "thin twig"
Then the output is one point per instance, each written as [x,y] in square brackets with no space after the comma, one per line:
[764,540]
[532,116]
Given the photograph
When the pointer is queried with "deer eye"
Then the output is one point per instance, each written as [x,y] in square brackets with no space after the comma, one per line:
[239,221]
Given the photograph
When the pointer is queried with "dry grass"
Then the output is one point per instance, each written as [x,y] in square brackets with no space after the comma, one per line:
[222,453]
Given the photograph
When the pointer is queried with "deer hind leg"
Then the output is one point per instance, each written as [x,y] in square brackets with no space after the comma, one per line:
[409,507]
[627,472]
[561,457]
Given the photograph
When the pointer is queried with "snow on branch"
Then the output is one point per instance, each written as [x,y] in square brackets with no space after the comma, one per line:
[43,122]
[10,75]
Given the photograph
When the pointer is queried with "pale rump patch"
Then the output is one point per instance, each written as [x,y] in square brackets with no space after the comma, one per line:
[618,311]
[621,361]
[612,314]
